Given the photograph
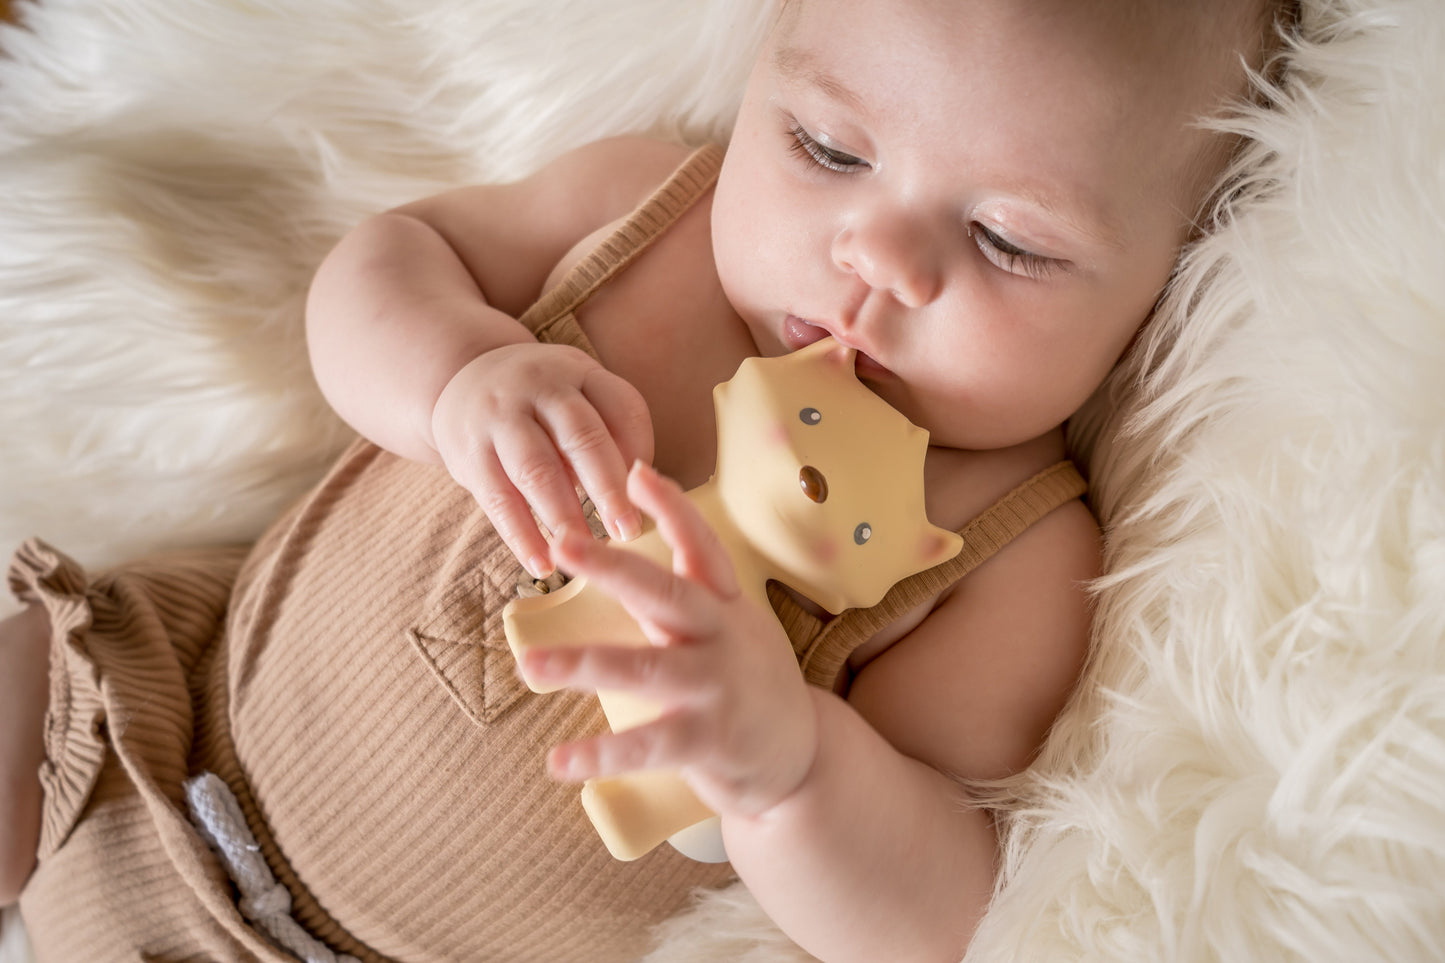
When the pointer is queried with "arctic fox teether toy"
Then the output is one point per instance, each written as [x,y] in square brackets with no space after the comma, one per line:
[819,484]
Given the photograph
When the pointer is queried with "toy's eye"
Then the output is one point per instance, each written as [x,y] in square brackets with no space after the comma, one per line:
[815,486]
[810,416]
[862,533]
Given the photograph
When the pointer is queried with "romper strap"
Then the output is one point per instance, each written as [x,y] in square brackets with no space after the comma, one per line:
[551,317]
[1000,524]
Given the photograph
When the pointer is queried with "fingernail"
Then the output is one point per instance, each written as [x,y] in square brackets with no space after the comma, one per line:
[628,526]
[561,763]
[539,566]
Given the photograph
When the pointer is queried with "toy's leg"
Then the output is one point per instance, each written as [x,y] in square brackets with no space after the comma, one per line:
[635,812]
[701,841]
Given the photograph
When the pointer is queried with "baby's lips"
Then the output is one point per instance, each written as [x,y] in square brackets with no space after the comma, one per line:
[799,333]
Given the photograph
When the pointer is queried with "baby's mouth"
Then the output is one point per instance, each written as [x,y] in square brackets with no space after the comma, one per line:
[799,333]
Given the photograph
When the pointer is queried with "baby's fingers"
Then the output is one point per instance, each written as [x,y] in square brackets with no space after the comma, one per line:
[625,413]
[667,743]
[586,445]
[509,514]
[629,425]
[651,594]
[531,466]
[660,673]
[697,551]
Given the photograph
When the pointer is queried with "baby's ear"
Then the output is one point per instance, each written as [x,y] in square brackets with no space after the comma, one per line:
[938,545]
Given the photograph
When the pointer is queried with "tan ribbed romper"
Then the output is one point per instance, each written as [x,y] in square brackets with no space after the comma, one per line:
[350,682]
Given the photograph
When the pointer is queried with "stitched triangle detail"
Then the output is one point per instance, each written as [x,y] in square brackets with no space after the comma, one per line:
[481,677]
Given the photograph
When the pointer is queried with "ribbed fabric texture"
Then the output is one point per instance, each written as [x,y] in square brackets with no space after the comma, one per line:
[359,700]
[120,870]
[393,759]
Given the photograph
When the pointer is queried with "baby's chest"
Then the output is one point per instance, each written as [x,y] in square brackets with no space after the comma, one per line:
[664,324]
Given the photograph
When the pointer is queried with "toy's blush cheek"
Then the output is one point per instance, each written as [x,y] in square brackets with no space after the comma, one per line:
[824,551]
[777,435]
[932,549]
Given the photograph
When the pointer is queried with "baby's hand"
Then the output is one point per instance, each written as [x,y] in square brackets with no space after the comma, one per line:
[738,720]
[522,426]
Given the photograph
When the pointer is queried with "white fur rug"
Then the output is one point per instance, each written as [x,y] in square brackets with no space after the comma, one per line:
[1254,768]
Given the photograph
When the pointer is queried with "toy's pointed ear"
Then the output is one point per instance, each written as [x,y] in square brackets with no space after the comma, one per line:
[839,355]
[938,545]
[826,352]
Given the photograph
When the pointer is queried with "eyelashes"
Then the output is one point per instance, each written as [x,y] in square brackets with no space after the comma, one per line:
[1010,257]
[805,145]
[997,249]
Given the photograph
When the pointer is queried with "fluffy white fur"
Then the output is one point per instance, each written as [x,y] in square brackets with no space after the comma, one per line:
[175,171]
[1254,766]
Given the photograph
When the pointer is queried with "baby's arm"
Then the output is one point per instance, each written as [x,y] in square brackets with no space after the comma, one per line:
[840,816]
[412,330]
[878,831]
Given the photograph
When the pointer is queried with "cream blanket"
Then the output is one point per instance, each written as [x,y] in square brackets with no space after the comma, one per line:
[1254,768]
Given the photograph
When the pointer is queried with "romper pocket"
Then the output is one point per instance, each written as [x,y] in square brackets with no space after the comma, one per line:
[459,634]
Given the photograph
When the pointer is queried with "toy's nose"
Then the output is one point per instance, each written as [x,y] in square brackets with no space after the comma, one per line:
[815,486]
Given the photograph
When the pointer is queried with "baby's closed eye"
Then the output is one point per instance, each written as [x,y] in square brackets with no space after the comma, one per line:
[1008,256]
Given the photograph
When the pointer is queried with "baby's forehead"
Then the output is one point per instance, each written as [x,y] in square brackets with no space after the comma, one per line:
[1167,41]
[1108,94]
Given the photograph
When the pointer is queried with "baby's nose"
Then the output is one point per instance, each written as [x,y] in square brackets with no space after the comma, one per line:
[889,252]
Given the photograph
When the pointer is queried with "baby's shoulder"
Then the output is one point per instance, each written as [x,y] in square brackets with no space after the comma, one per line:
[1041,542]
[615,173]
[972,684]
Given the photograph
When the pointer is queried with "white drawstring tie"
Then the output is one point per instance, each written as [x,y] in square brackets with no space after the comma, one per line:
[264,901]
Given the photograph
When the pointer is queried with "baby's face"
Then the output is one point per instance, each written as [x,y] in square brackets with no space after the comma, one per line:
[984,197]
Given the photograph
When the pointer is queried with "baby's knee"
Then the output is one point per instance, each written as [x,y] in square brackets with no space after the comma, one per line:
[24,667]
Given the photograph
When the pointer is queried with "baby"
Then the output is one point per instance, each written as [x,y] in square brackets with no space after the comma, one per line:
[983,198]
